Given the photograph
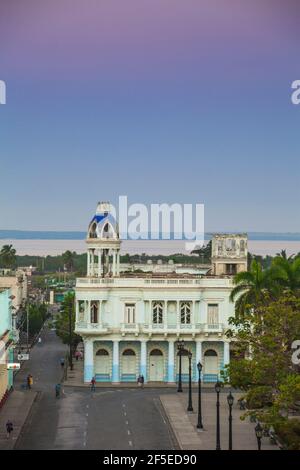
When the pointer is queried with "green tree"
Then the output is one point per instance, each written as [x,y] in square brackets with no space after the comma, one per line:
[251,288]
[8,256]
[69,259]
[267,375]
[204,252]
[65,324]
[286,272]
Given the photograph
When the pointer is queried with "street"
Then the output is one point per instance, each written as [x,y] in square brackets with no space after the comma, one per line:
[106,419]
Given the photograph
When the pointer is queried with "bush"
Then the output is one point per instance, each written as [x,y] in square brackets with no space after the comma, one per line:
[259,397]
[288,433]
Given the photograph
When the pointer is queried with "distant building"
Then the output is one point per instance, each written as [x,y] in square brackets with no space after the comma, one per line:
[17,282]
[7,340]
[131,322]
[229,253]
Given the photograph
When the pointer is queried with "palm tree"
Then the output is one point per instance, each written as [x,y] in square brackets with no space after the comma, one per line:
[282,254]
[68,259]
[8,256]
[286,272]
[251,288]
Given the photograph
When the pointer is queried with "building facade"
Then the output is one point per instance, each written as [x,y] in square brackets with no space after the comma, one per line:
[6,342]
[131,323]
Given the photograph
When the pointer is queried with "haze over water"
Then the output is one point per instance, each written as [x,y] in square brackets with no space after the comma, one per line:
[151,247]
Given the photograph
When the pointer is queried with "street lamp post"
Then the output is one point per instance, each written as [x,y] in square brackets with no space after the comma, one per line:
[180,348]
[190,405]
[259,434]
[199,424]
[230,400]
[218,389]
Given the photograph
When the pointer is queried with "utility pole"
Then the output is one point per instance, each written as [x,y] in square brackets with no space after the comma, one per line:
[27,326]
[70,308]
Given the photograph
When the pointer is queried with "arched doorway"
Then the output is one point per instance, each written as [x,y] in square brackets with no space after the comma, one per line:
[102,365]
[156,372]
[184,365]
[128,366]
[211,369]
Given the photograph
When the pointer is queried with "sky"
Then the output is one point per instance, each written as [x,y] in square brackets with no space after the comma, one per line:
[160,100]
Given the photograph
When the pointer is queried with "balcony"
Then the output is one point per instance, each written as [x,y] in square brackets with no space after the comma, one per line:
[212,328]
[161,328]
[91,328]
[130,328]
[139,282]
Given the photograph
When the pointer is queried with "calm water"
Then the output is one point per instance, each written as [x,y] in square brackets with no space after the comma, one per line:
[55,247]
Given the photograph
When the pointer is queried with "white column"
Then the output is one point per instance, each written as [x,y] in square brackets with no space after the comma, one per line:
[118,263]
[99,263]
[171,362]
[193,322]
[114,263]
[88,360]
[178,315]
[165,319]
[88,312]
[77,310]
[226,355]
[143,364]
[115,364]
[88,263]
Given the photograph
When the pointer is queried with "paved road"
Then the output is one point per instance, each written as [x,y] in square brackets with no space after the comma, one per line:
[106,419]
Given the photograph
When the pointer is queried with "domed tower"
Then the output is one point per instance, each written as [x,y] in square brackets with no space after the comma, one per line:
[103,253]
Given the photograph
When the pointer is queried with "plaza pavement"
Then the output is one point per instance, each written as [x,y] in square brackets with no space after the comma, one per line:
[184,423]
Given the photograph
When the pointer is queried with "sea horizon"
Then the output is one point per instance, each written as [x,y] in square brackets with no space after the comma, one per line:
[53,247]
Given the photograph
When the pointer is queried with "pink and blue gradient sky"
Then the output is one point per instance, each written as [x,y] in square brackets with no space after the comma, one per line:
[161,100]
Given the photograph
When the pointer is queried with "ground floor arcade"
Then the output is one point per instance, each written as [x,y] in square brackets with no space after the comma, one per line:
[158,361]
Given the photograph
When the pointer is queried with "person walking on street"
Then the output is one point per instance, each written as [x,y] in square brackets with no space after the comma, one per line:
[40,340]
[9,428]
[142,381]
[57,390]
[93,385]
[29,381]
[62,362]
[77,355]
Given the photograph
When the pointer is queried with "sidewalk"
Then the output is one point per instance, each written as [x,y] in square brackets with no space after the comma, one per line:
[75,379]
[189,438]
[16,409]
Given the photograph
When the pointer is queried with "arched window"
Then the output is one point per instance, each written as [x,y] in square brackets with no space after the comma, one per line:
[108,231]
[210,352]
[93,233]
[102,352]
[157,312]
[128,352]
[185,313]
[156,352]
[94,312]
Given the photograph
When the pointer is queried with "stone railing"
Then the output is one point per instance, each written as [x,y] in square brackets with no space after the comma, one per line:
[149,282]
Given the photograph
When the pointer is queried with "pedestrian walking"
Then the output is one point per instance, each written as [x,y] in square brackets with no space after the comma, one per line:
[40,340]
[57,390]
[9,428]
[93,384]
[29,381]
[139,381]
[62,362]
[142,381]
[77,355]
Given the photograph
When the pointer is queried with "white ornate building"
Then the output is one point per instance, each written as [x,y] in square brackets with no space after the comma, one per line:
[131,323]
